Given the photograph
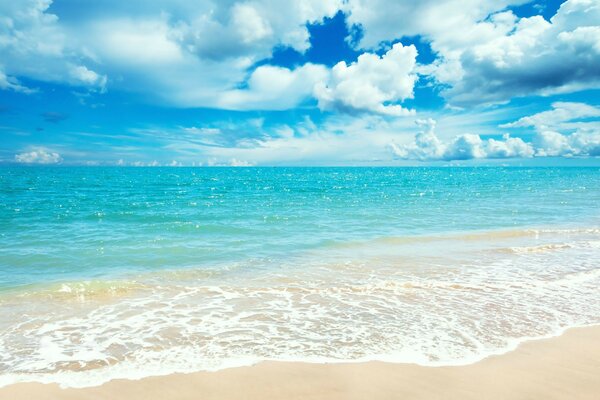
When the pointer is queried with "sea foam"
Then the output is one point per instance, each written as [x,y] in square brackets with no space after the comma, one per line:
[443,302]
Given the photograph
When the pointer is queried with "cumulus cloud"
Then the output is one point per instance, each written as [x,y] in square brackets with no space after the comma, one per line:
[508,147]
[448,24]
[428,147]
[372,83]
[208,47]
[204,53]
[485,53]
[38,156]
[450,27]
[274,88]
[568,129]
[536,57]
[550,143]
[34,45]
[225,30]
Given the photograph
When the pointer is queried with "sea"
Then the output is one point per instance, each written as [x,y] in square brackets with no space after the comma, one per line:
[122,273]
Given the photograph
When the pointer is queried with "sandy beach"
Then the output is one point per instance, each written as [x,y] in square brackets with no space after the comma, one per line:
[565,367]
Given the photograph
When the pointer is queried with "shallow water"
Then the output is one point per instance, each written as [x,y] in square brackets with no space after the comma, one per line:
[125,272]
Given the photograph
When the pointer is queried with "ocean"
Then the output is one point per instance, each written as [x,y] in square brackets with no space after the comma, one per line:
[112,273]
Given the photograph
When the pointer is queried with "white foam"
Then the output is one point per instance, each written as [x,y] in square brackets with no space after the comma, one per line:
[451,310]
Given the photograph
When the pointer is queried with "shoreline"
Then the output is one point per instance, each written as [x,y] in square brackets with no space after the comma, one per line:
[565,366]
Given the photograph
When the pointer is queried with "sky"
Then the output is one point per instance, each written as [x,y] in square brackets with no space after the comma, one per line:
[299,82]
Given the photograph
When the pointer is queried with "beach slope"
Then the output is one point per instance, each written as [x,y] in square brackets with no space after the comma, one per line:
[565,367]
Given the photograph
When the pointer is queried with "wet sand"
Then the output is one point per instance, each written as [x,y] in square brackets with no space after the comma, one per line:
[565,367]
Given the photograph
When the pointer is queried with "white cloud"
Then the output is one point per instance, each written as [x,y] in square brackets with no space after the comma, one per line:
[338,140]
[38,156]
[561,116]
[371,83]
[201,54]
[489,55]
[448,24]
[536,57]
[274,88]
[88,77]
[568,129]
[285,131]
[208,50]
[10,83]
[239,163]
[224,29]
[465,147]
[559,133]
[316,148]
[250,25]
[234,162]
[34,45]
[203,131]
[486,54]
[126,42]
[508,147]
[180,53]
[586,143]
[428,147]
[550,143]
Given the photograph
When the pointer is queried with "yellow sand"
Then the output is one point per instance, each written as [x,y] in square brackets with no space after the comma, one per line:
[567,367]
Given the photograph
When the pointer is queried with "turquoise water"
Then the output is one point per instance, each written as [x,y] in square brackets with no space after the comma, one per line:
[128,272]
[91,223]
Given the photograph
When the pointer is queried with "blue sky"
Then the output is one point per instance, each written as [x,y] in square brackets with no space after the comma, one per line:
[265,82]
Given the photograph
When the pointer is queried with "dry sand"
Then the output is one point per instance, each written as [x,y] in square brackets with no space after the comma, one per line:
[566,367]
